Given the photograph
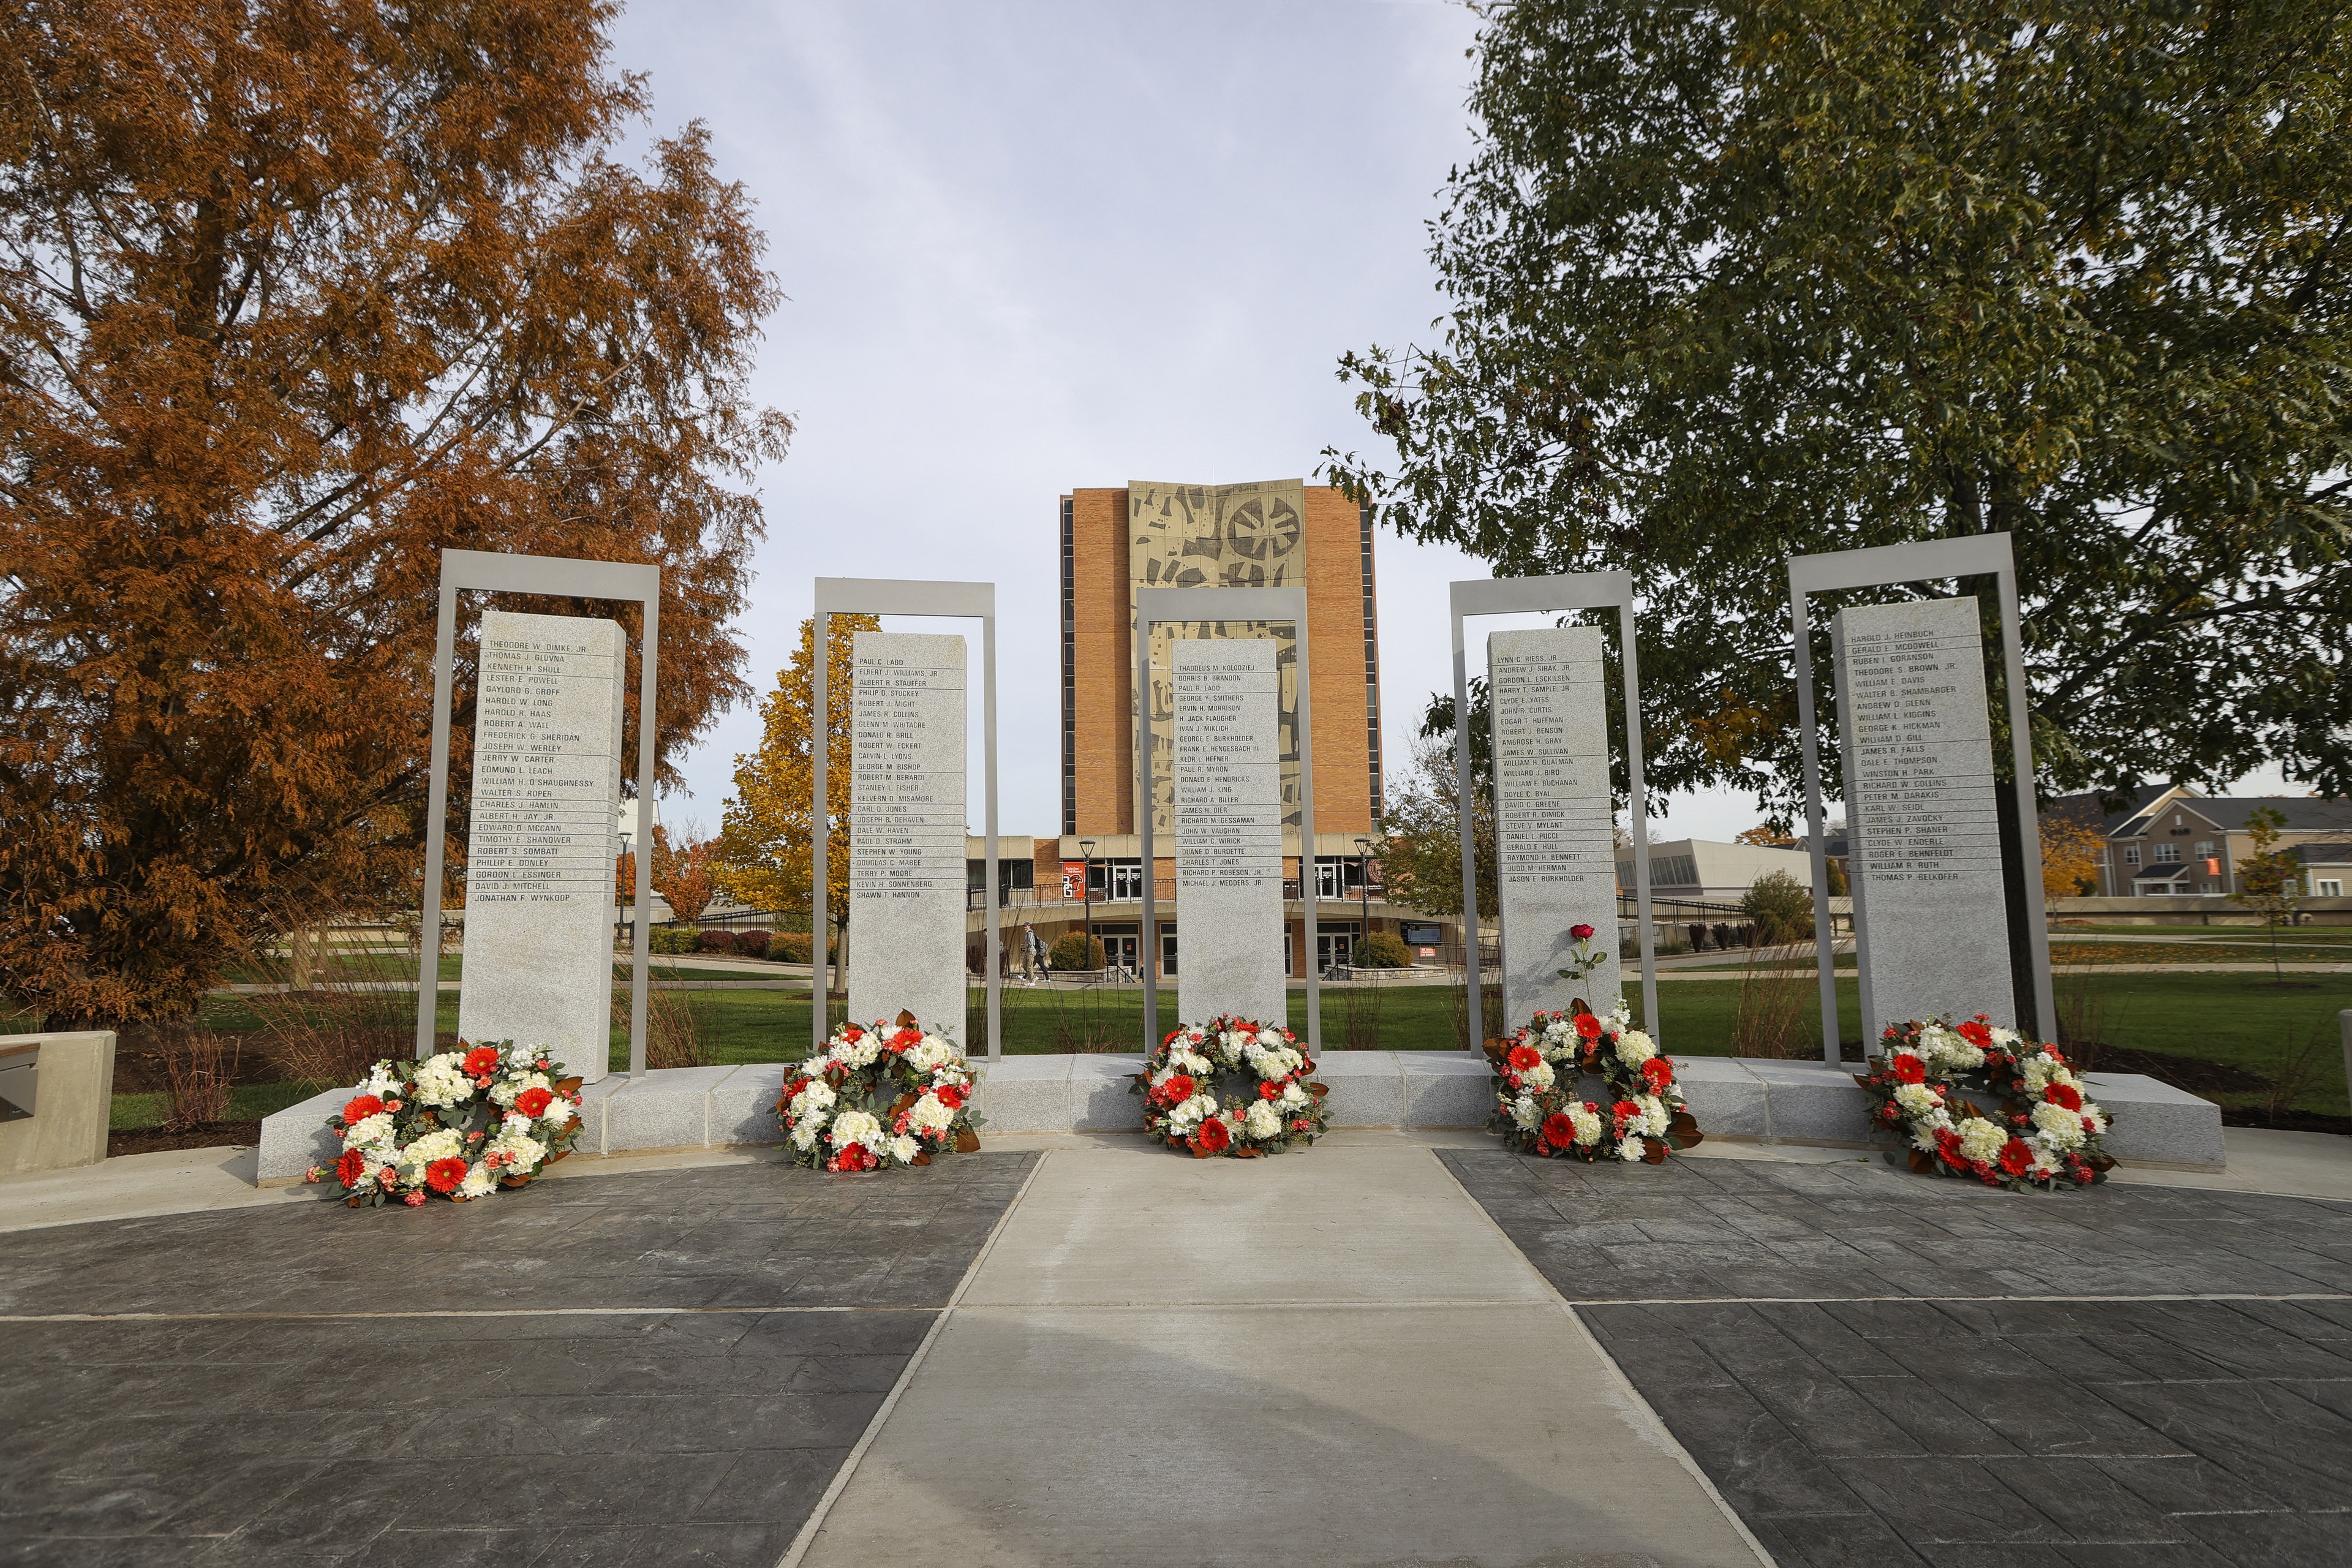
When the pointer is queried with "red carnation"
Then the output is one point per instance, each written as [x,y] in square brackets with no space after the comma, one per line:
[351,1169]
[1624,1111]
[1582,933]
[1588,1025]
[1659,1072]
[2016,1158]
[1525,1059]
[443,1175]
[1976,1034]
[360,1108]
[1910,1069]
[951,1096]
[533,1101]
[1213,1137]
[1559,1130]
[2065,1094]
[481,1059]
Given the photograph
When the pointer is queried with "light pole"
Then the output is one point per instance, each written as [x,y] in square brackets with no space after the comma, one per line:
[1363,895]
[1086,893]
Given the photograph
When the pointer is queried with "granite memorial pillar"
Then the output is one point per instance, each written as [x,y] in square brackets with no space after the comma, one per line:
[1556,853]
[907,881]
[541,837]
[1930,920]
[1228,824]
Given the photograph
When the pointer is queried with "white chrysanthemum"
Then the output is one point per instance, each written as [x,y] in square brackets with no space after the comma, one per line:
[928,1115]
[2005,1039]
[1294,1097]
[904,1149]
[1262,1120]
[1194,1063]
[855,1127]
[369,1132]
[2060,1128]
[1525,1111]
[1915,1099]
[1981,1140]
[1631,1148]
[442,1080]
[805,1133]
[480,1182]
[1538,1078]
[1635,1047]
[2045,1163]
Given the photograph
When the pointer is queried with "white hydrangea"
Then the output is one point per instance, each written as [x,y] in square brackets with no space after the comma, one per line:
[1273,1061]
[442,1080]
[1189,1113]
[2060,1128]
[928,1115]
[369,1132]
[1262,1120]
[522,1152]
[1587,1122]
[1525,1111]
[1538,1078]
[857,1053]
[931,1054]
[1981,1140]
[904,1149]
[1192,1063]
[1635,1047]
[813,1099]
[855,1127]
[1915,1099]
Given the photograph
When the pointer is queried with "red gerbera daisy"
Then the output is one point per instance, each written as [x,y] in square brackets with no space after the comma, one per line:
[360,1108]
[480,1060]
[951,1096]
[533,1101]
[1976,1034]
[1910,1069]
[1588,1025]
[443,1175]
[1559,1130]
[1213,1137]
[351,1168]
[1524,1059]
[2065,1094]
[2016,1158]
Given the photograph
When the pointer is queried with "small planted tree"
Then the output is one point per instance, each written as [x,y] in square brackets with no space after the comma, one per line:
[2267,879]
[1779,907]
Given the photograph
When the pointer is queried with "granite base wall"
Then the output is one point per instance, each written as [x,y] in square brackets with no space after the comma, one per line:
[1736,1100]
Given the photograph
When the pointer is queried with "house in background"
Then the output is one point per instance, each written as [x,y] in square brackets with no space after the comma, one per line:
[2182,844]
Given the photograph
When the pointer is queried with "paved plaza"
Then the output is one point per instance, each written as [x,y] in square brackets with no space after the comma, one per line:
[1391,1349]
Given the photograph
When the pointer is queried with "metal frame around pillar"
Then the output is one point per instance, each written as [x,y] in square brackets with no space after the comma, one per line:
[1153,607]
[562,577]
[1931,559]
[903,596]
[1545,595]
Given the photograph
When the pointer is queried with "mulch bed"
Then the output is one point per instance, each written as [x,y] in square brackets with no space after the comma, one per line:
[2202,1076]
[202,1135]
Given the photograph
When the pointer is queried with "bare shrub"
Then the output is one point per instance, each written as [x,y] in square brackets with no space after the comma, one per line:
[675,1032]
[1359,1014]
[1772,997]
[199,1070]
[2297,1064]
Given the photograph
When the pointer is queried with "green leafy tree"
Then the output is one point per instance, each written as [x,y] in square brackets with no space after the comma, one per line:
[2267,879]
[1734,281]
[1420,854]
[1779,907]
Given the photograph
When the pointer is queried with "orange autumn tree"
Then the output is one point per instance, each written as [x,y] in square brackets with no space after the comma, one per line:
[682,873]
[294,294]
[766,839]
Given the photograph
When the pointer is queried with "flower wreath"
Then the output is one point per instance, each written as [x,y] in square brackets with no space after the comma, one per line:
[1538,1112]
[880,1096]
[460,1125]
[2046,1130]
[1180,1104]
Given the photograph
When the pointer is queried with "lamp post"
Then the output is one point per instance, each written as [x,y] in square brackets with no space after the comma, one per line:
[1087,893]
[1363,894]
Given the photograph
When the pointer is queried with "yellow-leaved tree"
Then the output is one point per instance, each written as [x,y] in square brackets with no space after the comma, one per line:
[765,840]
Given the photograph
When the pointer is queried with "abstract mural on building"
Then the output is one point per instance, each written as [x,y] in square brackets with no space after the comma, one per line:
[1216,536]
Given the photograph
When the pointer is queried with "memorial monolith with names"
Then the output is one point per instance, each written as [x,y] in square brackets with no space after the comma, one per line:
[1555,850]
[907,882]
[1228,827]
[541,843]
[1924,835]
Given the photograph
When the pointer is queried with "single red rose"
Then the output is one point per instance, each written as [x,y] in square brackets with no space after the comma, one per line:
[1580,933]
[1270,1089]
[351,1169]
[951,1096]
[1524,1059]
[1559,1129]
[480,1060]
[360,1108]
[2016,1158]
[1588,1025]
[443,1175]
[1976,1034]
[534,1101]
[1659,1072]
[2065,1094]
[1212,1136]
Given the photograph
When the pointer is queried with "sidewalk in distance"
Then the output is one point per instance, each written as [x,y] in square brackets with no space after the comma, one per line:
[1737,1098]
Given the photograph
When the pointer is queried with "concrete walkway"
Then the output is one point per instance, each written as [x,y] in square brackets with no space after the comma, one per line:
[1328,1357]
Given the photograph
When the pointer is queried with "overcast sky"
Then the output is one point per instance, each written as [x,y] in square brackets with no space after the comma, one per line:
[1031,248]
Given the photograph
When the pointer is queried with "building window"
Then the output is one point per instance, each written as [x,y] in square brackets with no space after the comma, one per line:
[2167,854]
[2131,854]
[1338,876]
[2204,848]
[2212,887]
[2331,889]
[1117,880]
